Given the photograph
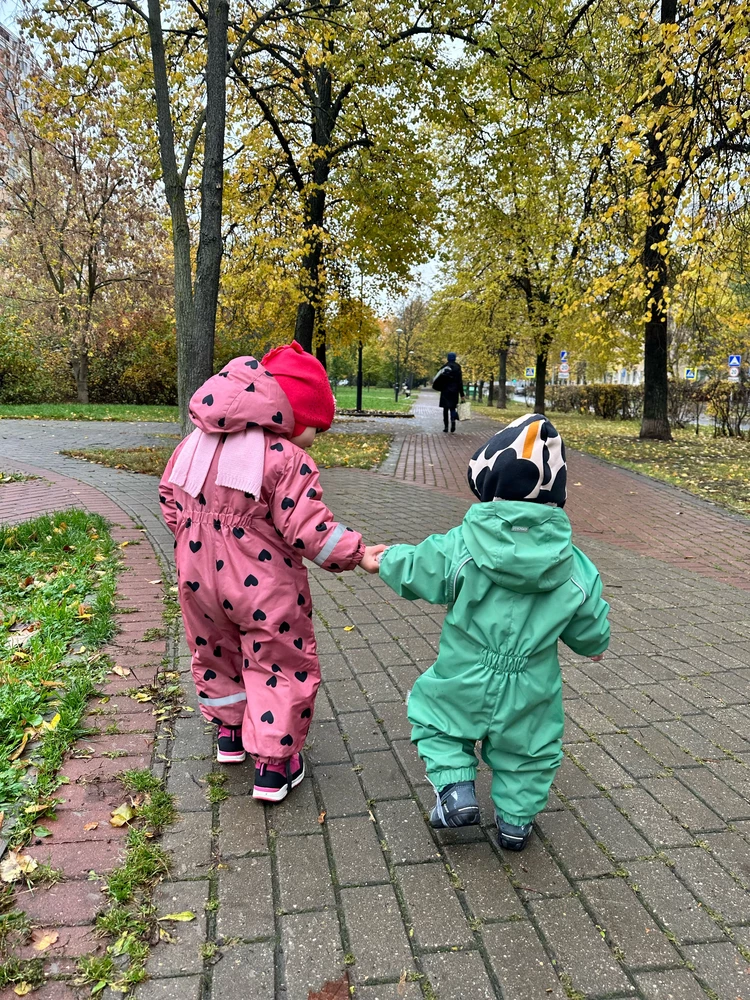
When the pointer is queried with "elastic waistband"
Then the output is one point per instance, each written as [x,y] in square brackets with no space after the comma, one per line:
[223,520]
[504,664]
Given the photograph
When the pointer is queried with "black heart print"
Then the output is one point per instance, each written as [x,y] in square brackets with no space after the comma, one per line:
[250,424]
[256,647]
[284,627]
[223,374]
[236,679]
[287,560]
[299,643]
[238,532]
[201,500]
[276,668]
[301,675]
[222,421]
[208,400]
[195,546]
[193,586]
[246,663]
[299,544]
[209,675]
[249,496]
[321,527]
[306,714]
[259,616]
[251,581]
[264,555]
[271,682]
[287,503]
[217,651]
[189,523]
[209,617]
[277,447]
[162,499]
[305,470]
[219,564]
[301,600]
[267,717]
[286,741]
[252,363]
[278,418]
[311,494]
[217,524]
[178,505]
[250,388]
[202,694]
[228,606]
[335,566]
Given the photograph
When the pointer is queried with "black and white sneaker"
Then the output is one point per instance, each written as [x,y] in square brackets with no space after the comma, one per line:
[512,838]
[456,806]
[273,782]
[230,749]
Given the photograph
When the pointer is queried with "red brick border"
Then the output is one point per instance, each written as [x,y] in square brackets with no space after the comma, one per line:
[70,908]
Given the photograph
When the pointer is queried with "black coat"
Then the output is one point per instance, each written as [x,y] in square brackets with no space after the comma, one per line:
[450,383]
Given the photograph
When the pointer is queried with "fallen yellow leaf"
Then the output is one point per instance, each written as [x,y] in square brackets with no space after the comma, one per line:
[90,826]
[15,865]
[41,940]
[20,749]
[348,628]
[53,723]
[22,989]
[121,671]
[122,815]
[183,918]
[322,817]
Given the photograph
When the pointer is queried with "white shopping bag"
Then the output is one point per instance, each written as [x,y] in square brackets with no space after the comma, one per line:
[464,411]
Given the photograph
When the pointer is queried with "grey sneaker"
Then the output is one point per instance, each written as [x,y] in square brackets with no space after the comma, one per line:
[456,806]
[512,838]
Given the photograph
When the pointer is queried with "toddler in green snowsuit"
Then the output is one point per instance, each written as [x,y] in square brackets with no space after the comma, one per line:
[514,584]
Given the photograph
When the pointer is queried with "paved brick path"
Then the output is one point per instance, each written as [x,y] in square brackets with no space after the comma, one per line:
[636,883]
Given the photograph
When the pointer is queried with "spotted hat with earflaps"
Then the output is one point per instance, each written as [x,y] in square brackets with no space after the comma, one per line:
[524,461]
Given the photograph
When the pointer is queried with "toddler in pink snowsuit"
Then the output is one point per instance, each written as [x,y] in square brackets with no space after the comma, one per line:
[244,502]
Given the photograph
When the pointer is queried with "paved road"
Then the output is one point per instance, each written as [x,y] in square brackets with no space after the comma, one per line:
[636,882]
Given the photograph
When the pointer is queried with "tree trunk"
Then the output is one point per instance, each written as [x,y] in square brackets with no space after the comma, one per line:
[198,345]
[80,366]
[540,385]
[502,378]
[174,188]
[655,423]
[480,391]
[491,391]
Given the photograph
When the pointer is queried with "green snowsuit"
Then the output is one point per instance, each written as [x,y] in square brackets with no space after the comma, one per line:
[514,584]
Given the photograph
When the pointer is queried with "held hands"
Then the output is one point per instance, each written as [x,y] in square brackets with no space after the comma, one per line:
[370,560]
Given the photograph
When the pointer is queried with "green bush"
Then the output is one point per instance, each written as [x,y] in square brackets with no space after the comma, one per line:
[610,402]
[137,365]
[30,372]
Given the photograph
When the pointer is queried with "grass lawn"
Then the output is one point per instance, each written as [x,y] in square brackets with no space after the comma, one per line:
[86,411]
[372,399]
[715,469]
[356,451]
[57,587]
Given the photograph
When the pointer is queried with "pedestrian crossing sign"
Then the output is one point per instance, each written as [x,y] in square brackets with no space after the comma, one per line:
[530,372]
[690,374]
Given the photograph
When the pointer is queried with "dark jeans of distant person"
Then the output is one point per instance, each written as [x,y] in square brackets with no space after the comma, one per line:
[453,412]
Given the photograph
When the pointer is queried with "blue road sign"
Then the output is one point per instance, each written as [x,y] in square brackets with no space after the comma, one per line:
[690,374]
[530,372]
[735,360]
[563,355]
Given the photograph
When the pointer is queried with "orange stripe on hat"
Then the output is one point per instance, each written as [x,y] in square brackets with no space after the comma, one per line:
[531,436]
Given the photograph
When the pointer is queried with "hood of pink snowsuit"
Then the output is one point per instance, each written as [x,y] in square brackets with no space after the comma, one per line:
[241,396]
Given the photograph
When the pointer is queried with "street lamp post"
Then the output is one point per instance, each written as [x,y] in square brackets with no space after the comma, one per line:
[399,331]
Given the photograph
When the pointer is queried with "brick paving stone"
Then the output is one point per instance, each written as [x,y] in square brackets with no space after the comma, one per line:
[674,984]
[650,818]
[486,886]
[183,956]
[406,833]
[710,883]
[189,840]
[245,972]
[534,872]
[313,954]
[568,840]
[677,909]
[325,745]
[609,827]
[717,795]
[394,718]
[733,852]
[379,687]
[579,948]
[184,987]
[571,781]
[68,903]
[340,789]
[722,967]
[605,771]
[376,932]
[78,859]
[356,851]
[362,731]
[734,774]
[347,696]
[242,823]
[297,813]
[387,991]
[458,974]
[520,962]
[587,717]
[406,752]
[633,758]
[382,776]
[433,907]
[304,875]
[683,805]
[187,782]
[246,899]
[628,924]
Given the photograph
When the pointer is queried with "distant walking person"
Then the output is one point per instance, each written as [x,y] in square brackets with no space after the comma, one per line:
[449,382]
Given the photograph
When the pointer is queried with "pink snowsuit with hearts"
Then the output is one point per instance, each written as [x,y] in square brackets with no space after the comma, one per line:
[243,587]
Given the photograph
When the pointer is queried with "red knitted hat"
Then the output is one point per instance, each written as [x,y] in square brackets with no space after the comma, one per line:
[304,380]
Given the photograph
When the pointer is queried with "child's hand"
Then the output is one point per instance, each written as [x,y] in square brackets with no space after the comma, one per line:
[597,659]
[370,563]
